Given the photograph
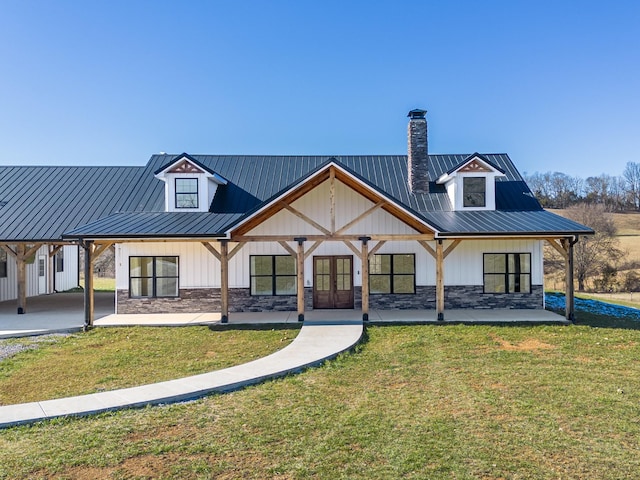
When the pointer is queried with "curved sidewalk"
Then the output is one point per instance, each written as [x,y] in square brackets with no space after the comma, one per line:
[316,342]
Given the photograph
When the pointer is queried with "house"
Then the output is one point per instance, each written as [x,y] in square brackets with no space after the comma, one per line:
[228,233]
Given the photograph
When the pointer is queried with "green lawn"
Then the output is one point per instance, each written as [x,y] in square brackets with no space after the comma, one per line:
[110,358]
[463,402]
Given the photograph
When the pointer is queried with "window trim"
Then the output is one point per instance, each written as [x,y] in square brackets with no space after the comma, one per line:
[273,277]
[392,274]
[154,277]
[176,193]
[506,274]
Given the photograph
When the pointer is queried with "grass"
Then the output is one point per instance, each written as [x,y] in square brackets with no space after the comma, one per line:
[464,402]
[110,358]
[101,284]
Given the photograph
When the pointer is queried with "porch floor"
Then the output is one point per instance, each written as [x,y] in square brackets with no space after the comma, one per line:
[375,316]
[65,312]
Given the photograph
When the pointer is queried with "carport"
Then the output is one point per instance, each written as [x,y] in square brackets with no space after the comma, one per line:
[39,204]
[60,312]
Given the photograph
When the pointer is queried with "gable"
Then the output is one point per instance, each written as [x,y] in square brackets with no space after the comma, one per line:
[335,176]
[355,215]
[185,166]
[474,166]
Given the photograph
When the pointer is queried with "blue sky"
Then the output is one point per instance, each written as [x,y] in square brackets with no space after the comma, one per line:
[554,84]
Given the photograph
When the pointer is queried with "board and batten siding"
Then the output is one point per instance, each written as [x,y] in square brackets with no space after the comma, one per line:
[65,280]
[317,206]
[68,278]
[200,269]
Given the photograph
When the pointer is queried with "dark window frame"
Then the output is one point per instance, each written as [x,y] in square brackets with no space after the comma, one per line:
[466,196]
[273,275]
[155,277]
[392,274]
[60,260]
[196,193]
[4,257]
[506,274]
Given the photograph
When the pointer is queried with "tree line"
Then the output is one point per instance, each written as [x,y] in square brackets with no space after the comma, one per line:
[615,193]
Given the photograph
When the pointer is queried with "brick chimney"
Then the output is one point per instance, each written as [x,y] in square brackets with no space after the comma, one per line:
[418,158]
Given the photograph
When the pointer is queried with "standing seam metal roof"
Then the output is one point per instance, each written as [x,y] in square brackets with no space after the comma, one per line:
[45,202]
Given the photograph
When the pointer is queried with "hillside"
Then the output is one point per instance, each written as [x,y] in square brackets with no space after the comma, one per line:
[628,228]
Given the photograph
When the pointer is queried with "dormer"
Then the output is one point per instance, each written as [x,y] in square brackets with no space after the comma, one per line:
[189,186]
[471,185]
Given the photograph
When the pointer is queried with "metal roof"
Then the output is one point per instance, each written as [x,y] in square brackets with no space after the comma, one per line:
[155,224]
[501,223]
[45,202]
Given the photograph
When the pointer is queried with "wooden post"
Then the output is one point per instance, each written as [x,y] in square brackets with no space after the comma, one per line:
[88,284]
[224,280]
[439,281]
[365,278]
[300,269]
[569,308]
[22,278]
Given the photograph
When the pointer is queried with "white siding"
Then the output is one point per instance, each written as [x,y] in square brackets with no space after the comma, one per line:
[317,206]
[464,265]
[9,285]
[199,268]
[68,278]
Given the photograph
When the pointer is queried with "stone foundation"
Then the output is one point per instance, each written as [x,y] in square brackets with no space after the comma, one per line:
[471,296]
[423,299]
[205,300]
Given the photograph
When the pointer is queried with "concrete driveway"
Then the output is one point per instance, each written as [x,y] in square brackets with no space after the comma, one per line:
[57,312]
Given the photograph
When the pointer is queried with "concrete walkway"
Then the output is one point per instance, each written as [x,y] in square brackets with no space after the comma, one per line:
[315,343]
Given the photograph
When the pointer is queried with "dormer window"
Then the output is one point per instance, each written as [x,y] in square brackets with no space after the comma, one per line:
[474,191]
[186,193]
[471,185]
[189,184]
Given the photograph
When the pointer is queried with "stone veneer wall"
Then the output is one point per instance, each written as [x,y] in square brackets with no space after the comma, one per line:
[471,296]
[203,300]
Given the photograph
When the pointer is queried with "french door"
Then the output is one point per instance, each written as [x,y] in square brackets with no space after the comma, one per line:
[333,282]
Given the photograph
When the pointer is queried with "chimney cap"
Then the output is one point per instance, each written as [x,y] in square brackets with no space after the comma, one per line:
[417,113]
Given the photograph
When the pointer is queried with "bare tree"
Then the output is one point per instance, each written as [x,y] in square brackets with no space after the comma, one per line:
[631,176]
[594,254]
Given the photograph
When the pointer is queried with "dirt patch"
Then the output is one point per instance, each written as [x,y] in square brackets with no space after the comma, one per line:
[528,345]
[145,466]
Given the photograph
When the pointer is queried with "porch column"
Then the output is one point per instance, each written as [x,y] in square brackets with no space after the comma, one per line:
[22,278]
[300,278]
[569,308]
[365,278]
[439,281]
[224,281]
[88,284]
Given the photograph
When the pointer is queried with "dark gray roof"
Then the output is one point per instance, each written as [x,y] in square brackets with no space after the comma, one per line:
[44,202]
[156,224]
[485,222]
[248,186]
